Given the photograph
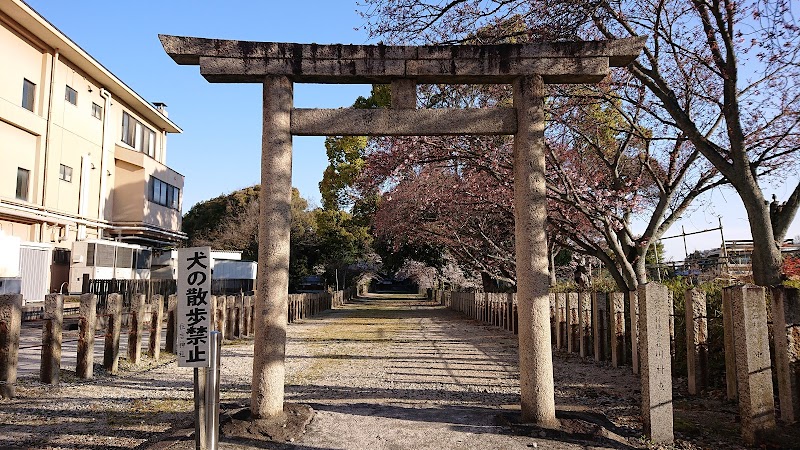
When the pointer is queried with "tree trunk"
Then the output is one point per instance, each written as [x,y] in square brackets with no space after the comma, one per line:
[640,265]
[766,261]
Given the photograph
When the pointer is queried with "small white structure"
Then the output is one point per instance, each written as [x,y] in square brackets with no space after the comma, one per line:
[103,259]
[225,265]
[10,282]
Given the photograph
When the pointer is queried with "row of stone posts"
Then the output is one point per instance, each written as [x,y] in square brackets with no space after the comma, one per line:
[233,318]
[594,324]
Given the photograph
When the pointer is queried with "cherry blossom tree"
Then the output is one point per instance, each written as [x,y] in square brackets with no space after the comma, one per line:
[719,77]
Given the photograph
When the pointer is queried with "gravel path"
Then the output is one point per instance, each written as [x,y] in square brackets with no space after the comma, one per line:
[381,373]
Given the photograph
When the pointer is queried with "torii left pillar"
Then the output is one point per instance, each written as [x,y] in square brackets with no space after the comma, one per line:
[270,320]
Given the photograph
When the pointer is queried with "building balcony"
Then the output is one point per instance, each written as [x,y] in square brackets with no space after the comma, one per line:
[146,200]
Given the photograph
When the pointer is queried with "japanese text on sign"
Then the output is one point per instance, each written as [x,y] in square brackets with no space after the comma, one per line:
[194,306]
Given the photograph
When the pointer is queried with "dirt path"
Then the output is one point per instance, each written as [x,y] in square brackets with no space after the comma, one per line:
[381,373]
[386,373]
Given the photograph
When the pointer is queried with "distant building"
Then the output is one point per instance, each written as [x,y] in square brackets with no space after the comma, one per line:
[732,260]
[82,160]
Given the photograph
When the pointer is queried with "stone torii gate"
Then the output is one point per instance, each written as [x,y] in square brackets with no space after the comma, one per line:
[528,67]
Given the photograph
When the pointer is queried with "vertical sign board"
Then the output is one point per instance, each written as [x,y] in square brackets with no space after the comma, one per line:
[194,306]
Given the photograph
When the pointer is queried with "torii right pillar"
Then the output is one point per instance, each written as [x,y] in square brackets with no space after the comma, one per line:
[530,214]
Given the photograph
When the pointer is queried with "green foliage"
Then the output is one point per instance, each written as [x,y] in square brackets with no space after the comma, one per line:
[319,238]
[563,257]
[206,216]
[345,163]
[346,154]
[602,283]
[380,97]
[792,284]
[655,249]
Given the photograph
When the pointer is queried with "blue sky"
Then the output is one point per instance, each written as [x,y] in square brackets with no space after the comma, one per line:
[219,150]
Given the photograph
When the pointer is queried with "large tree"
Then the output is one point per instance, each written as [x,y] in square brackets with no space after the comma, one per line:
[722,75]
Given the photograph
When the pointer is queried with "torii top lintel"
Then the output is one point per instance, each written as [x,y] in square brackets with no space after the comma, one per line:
[230,61]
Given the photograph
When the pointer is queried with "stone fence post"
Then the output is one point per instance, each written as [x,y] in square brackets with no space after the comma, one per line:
[634,313]
[585,323]
[753,365]
[172,304]
[655,360]
[230,311]
[573,322]
[52,327]
[113,315]
[730,357]
[553,319]
[696,340]
[561,306]
[786,331]
[618,335]
[246,304]
[10,324]
[239,314]
[600,325]
[136,328]
[87,320]
[156,319]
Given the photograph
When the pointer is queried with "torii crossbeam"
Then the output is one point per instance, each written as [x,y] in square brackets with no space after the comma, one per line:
[528,67]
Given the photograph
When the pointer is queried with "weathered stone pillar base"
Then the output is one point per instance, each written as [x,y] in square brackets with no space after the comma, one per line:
[113,315]
[696,340]
[537,394]
[10,324]
[656,368]
[267,394]
[618,335]
[52,327]
[753,365]
[156,318]
[87,323]
[786,331]
[136,328]
[172,302]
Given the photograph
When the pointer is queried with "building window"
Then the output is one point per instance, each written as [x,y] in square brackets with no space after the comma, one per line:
[141,259]
[65,173]
[23,178]
[138,136]
[71,96]
[28,94]
[164,194]
[97,111]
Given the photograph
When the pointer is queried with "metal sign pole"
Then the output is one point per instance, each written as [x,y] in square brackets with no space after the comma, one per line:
[212,392]
[200,409]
